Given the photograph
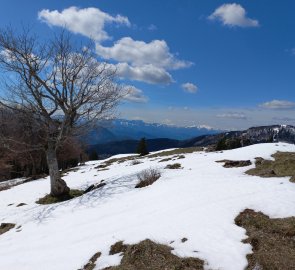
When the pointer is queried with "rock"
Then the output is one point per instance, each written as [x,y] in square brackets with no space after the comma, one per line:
[236,163]
[94,186]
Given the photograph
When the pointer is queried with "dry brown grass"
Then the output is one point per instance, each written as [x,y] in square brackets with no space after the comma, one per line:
[91,263]
[135,162]
[282,165]
[118,248]
[148,255]
[173,166]
[147,177]
[178,151]
[234,163]
[5,227]
[272,240]
[49,199]
[165,159]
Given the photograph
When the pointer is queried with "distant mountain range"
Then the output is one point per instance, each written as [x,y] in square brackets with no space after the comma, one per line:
[254,135]
[122,129]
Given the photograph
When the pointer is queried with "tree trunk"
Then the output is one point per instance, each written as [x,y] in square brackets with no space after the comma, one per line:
[57,185]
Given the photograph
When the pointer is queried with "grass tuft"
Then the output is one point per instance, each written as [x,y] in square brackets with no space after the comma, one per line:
[148,255]
[49,199]
[173,166]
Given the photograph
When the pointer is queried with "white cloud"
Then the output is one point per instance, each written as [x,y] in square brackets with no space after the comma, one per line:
[189,87]
[233,15]
[135,60]
[89,22]
[146,73]
[139,53]
[278,105]
[135,95]
[152,27]
[240,116]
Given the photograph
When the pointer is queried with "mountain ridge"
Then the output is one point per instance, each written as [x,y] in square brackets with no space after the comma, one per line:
[253,135]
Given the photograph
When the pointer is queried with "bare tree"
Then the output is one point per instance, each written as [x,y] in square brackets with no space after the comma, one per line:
[61,87]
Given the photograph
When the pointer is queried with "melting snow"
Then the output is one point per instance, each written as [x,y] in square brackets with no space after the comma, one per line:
[199,202]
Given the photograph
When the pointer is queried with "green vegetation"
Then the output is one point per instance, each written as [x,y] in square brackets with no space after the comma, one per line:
[272,240]
[231,143]
[142,148]
[49,199]
[93,155]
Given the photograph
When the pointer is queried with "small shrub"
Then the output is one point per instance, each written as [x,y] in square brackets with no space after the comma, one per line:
[147,177]
[173,166]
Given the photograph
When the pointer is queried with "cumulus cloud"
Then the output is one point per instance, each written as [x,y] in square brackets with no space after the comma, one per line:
[135,95]
[142,61]
[89,22]
[146,73]
[149,62]
[139,53]
[239,116]
[278,105]
[189,87]
[233,15]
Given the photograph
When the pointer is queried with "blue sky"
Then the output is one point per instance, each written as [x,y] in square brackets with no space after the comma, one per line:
[217,63]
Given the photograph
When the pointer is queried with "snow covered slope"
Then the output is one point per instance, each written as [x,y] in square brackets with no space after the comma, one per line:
[198,202]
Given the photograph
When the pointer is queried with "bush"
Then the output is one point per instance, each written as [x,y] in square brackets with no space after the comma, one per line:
[147,177]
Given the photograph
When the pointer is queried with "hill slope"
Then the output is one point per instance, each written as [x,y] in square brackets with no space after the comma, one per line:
[198,202]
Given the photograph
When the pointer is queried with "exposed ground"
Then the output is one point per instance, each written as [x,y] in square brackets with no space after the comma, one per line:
[5,227]
[282,165]
[48,199]
[272,241]
[234,163]
[148,255]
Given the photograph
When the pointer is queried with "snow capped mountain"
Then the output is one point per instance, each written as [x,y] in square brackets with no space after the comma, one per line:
[122,129]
